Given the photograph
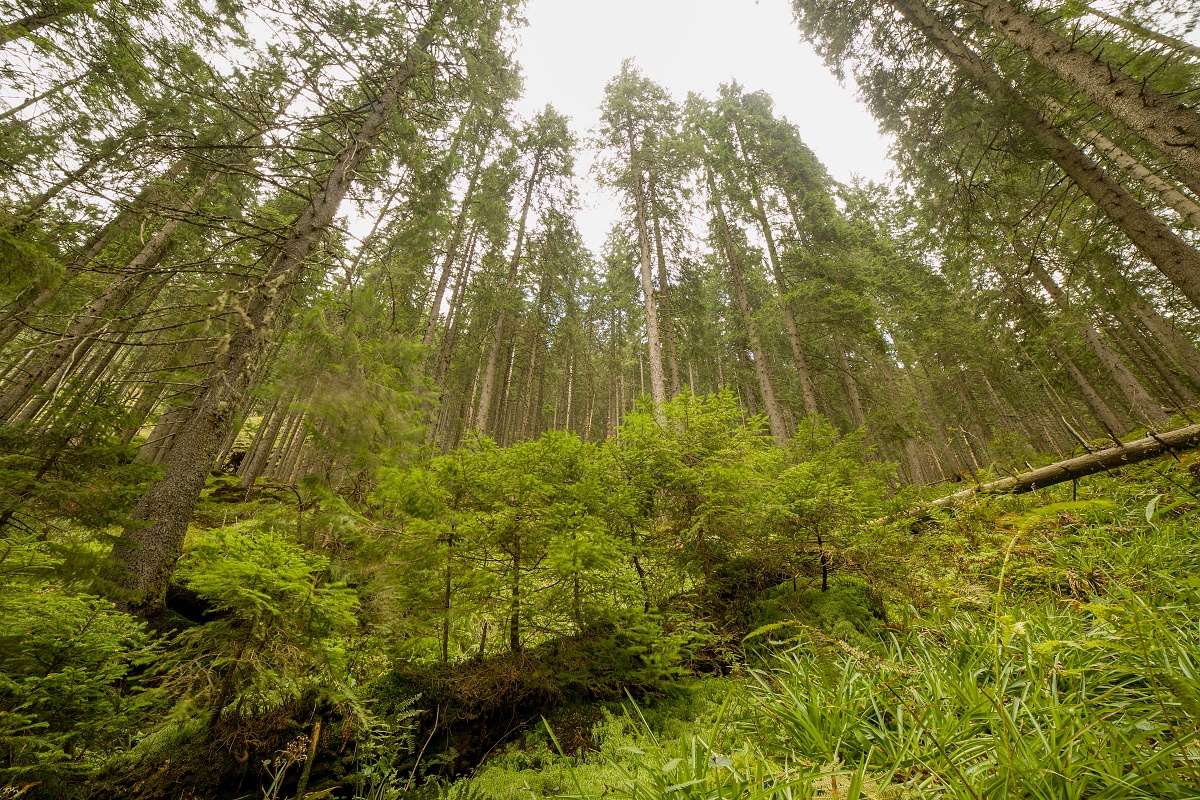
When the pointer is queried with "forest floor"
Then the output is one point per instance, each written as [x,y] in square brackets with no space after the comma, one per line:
[1038,646]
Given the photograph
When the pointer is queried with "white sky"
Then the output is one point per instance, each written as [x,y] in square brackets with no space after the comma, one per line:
[573,47]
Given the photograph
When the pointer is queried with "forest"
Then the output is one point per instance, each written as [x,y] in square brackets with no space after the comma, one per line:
[334,463]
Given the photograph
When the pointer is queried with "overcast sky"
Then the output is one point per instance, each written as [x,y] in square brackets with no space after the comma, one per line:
[573,47]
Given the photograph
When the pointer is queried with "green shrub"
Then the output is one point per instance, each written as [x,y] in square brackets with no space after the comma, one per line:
[69,690]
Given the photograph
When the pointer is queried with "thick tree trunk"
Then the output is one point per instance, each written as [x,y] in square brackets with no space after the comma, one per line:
[1187,208]
[1162,121]
[149,547]
[1174,257]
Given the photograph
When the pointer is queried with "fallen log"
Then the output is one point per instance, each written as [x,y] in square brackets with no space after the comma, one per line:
[1156,444]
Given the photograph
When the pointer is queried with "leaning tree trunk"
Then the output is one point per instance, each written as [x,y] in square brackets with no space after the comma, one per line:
[1137,29]
[113,298]
[456,240]
[1174,257]
[808,389]
[152,196]
[149,547]
[19,29]
[1164,122]
[1187,208]
[1141,402]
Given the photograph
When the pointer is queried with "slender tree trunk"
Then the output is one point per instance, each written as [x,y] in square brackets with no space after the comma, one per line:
[456,240]
[128,218]
[774,416]
[1164,122]
[113,298]
[514,629]
[808,389]
[664,304]
[1181,349]
[857,415]
[484,410]
[1185,395]
[1141,402]
[1176,259]
[658,389]
[1137,29]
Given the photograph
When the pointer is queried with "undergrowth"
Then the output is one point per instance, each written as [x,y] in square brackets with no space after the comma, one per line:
[1037,647]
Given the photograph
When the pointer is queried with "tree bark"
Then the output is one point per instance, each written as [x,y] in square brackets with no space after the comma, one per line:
[1137,29]
[1163,122]
[658,390]
[1141,402]
[1111,458]
[1176,259]
[25,26]
[1180,203]
[664,297]
[484,410]
[774,416]
[456,240]
[149,547]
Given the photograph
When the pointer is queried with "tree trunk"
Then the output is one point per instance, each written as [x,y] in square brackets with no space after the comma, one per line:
[152,196]
[1137,29]
[148,548]
[25,26]
[774,416]
[857,415]
[1177,260]
[484,410]
[113,298]
[1187,208]
[514,629]
[456,239]
[658,389]
[1162,121]
[1141,403]
[664,304]
[1111,458]
[808,388]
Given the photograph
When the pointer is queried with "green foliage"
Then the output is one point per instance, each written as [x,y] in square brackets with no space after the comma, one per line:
[70,694]
[69,473]
[279,627]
